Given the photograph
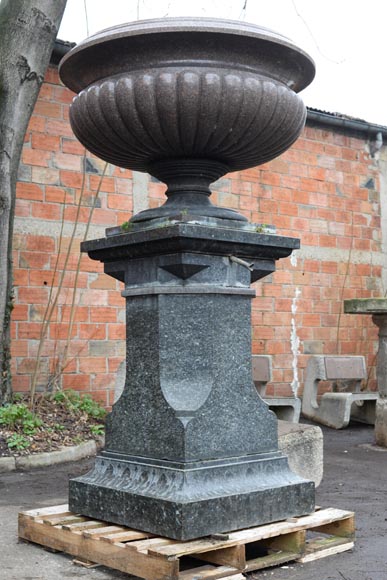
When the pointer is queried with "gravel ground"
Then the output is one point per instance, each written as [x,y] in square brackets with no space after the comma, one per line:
[355,476]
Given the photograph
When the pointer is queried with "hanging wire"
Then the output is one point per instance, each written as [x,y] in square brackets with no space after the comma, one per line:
[242,15]
[86,18]
[313,37]
[166,15]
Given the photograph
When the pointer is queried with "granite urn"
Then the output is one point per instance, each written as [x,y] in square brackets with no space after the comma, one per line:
[191,449]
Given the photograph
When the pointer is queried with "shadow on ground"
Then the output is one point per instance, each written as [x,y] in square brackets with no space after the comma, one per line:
[355,477]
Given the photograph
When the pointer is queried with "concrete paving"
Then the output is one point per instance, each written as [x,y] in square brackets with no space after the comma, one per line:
[355,476]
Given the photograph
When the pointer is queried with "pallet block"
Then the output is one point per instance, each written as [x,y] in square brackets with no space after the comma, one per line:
[218,556]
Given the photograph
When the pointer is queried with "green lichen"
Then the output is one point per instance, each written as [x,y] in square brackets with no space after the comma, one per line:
[126,226]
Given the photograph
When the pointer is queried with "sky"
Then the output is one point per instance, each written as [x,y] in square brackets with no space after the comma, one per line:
[347,40]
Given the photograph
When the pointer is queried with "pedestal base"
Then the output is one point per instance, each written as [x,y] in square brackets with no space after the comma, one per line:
[189,501]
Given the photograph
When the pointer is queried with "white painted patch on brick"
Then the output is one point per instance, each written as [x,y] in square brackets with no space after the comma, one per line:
[293,259]
[295,344]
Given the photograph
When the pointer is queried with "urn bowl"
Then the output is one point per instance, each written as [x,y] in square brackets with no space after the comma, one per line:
[187,100]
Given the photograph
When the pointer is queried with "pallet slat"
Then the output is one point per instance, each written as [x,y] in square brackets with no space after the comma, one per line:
[156,558]
[125,536]
[318,519]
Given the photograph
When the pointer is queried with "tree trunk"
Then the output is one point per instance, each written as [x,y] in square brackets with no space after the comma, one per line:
[28,29]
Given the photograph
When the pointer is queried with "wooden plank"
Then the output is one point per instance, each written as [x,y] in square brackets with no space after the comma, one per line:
[322,517]
[145,545]
[293,542]
[281,549]
[233,556]
[85,563]
[115,556]
[210,573]
[319,518]
[63,520]
[126,536]
[343,528]
[323,553]
[194,573]
[80,526]
[270,560]
[54,511]
[97,532]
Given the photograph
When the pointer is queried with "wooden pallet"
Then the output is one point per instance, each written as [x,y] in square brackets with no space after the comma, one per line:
[212,557]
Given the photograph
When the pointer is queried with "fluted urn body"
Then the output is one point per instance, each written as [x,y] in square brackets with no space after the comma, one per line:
[187,100]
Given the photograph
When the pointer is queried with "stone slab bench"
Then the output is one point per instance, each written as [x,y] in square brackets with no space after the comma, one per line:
[286,408]
[346,402]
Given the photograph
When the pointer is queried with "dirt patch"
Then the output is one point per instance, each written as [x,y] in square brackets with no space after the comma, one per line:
[56,422]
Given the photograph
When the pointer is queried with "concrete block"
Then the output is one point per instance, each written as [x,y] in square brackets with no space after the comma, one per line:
[303,445]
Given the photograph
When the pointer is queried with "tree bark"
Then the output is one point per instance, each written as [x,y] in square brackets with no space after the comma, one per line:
[28,29]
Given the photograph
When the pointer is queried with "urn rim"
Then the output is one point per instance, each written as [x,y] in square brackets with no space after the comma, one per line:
[79,68]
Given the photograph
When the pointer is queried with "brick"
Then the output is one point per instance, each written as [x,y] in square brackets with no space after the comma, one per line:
[71,179]
[45,142]
[45,175]
[42,278]
[104,217]
[101,396]
[38,312]
[33,295]
[103,314]
[121,202]
[58,195]
[34,260]
[46,92]
[35,157]
[22,208]
[92,365]
[52,75]
[29,191]
[40,243]
[20,312]
[92,331]
[19,348]
[104,282]
[46,211]
[76,382]
[73,214]
[102,348]
[67,161]
[62,331]
[20,277]
[48,109]
[57,127]
[72,146]
[29,330]
[124,186]
[108,183]
[115,299]
[116,331]
[37,124]
[21,383]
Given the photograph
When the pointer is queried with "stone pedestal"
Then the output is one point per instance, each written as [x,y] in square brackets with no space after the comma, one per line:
[191,449]
[378,308]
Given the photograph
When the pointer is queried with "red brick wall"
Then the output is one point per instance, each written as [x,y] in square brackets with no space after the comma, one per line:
[324,190]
